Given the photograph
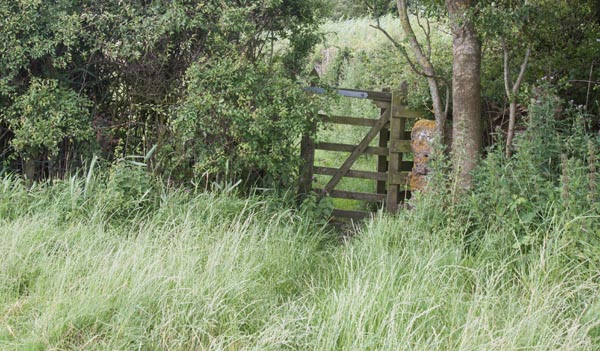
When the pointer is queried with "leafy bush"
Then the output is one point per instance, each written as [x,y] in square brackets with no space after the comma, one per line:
[46,115]
[127,62]
[548,186]
[240,119]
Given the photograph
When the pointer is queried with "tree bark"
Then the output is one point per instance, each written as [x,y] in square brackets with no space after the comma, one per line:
[29,168]
[466,90]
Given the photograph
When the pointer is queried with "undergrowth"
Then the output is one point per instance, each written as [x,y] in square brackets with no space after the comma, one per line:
[97,264]
[114,259]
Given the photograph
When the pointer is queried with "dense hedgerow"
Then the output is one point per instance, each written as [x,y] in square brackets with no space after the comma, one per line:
[114,70]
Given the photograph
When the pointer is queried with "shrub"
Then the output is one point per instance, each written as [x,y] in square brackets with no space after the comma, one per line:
[242,120]
[546,192]
[127,62]
[544,188]
[46,115]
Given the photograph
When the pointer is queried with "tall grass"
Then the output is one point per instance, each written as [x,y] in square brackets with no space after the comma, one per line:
[209,271]
[200,271]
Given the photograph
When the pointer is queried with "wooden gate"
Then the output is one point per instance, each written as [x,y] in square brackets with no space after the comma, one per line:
[392,171]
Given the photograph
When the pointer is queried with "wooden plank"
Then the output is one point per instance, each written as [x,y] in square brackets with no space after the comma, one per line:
[381,104]
[398,178]
[381,176]
[353,195]
[384,138]
[307,153]
[352,121]
[354,93]
[382,163]
[406,166]
[371,150]
[360,148]
[358,215]
[404,112]
[399,146]
[371,95]
[397,128]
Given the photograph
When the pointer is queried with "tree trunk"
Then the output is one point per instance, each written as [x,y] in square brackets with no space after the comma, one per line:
[466,90]
[512,118]
[29,170]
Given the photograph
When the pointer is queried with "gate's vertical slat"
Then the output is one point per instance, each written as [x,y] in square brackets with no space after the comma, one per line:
[307,153]
[382,162]
[405,135]
[397,127]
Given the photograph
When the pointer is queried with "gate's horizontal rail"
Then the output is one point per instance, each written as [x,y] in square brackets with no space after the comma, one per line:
[400,178]
[359,94]
[371,150]
[397,146]
[352,174]
[403,112]
[352,214]
[352,121]
[354,195]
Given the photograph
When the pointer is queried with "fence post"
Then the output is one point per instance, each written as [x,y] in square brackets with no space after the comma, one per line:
[382,162]
[397,127]
[307,154]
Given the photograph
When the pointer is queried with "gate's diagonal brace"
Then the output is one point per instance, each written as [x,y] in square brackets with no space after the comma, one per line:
[359,150]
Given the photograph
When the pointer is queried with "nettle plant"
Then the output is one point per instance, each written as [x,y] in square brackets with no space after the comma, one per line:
[46,115]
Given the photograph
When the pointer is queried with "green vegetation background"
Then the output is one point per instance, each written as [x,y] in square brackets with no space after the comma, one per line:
[117,255]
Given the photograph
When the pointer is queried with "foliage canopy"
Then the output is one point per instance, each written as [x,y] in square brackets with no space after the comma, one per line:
[123,69]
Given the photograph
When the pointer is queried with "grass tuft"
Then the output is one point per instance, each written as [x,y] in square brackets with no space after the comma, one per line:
[210,271]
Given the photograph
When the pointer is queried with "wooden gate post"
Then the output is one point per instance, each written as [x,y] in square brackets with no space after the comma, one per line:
[382,162]
[397,127]
[307,153]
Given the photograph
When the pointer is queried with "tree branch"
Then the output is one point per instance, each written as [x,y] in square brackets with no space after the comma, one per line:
[426,32]
[404,53]
[447,106]
[595,82]
[412,38]
[402,50]
[522,71]
[507,80]
[426,66]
